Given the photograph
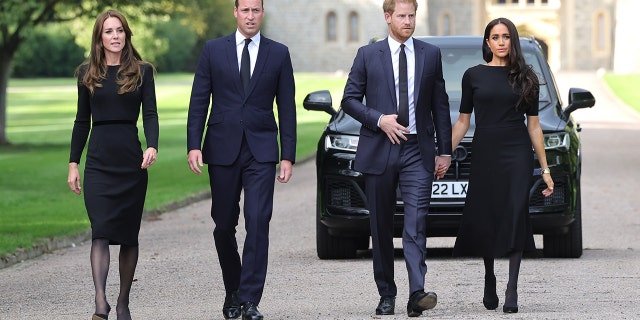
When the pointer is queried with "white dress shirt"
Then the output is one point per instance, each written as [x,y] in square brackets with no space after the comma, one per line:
[253,49]
[394,46]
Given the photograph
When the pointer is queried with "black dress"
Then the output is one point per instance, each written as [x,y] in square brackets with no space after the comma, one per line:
[114,184]
[496,214]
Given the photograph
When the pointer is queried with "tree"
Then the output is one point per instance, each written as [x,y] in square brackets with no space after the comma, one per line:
[49,51]
[18,18]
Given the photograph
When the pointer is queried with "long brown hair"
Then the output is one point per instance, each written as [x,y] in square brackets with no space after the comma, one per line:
[94,69]
[521,75]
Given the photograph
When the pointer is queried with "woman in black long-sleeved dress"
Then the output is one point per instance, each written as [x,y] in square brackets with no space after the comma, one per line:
[496,220]
[112,86]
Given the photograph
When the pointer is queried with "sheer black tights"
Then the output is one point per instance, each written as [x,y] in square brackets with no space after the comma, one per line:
[100,259]
[511,295]
[490,299]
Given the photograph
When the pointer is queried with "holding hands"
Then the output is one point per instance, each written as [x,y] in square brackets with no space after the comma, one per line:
[442,165]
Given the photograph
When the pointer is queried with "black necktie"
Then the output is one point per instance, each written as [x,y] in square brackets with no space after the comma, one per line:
[245,65]
[403,89]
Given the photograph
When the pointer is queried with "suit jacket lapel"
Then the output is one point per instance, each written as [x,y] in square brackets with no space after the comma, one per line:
[387,66]
[232,61]
[420,58]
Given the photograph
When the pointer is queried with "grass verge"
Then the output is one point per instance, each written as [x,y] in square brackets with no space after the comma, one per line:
[625,86]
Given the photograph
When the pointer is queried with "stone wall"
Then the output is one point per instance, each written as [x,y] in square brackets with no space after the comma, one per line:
[302,25]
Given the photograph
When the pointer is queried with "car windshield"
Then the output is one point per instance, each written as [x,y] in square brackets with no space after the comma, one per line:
[455,61]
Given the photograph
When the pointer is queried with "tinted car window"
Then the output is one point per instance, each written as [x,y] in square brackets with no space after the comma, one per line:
[455,61]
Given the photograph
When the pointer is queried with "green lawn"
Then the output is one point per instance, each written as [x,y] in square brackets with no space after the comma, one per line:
[625,86]
[36,202]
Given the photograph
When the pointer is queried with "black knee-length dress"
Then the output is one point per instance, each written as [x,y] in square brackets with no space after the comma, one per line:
[114,184]
[496,214]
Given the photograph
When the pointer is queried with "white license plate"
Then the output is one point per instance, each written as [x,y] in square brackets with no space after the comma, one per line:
[449,189]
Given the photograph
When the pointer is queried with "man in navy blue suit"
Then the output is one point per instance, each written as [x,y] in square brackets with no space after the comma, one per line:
[406,109]
[240,75]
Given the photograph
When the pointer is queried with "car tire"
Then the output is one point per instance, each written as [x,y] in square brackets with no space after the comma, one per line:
[332,247]
[568,245]
[362,243]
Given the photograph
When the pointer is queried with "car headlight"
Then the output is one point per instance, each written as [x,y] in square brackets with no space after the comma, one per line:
[341,142]
[558,140]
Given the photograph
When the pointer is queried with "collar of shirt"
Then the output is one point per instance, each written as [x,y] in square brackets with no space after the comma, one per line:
[253,49]
[255,40]
[395,45]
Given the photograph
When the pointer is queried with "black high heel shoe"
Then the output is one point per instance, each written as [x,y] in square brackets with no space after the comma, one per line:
[101,316]
[511,298]
[506,309]
[491,304]
[490,298]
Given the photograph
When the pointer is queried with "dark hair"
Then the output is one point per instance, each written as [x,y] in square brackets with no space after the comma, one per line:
[94,69]
[261,1]
[522,78]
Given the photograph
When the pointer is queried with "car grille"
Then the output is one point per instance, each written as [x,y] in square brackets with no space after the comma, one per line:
[460,166]
[344,193]
[558,197]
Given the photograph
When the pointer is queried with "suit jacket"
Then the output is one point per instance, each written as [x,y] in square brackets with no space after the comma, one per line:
[371,77]
[234,113]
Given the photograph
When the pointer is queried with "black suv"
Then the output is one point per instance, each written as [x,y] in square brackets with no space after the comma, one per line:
[342,219]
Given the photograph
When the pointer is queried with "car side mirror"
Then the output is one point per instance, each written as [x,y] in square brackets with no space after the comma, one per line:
[319,101]
[578,99]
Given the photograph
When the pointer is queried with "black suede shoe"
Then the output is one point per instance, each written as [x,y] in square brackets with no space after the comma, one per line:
[231,307]
[420,301]
[250,311]
[386,306]
[490,298]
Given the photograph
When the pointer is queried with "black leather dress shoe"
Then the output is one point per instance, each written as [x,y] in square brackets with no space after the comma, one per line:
[250,311]
[386,306]
[231,307]
[421,301]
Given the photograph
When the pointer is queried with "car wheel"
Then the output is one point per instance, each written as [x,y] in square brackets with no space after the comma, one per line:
[331,247]
[567,245]
[362,243]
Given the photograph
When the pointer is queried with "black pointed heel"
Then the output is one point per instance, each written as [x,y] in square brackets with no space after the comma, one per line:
[101,316]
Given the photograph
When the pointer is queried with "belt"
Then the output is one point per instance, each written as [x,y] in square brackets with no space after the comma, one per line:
[108,122]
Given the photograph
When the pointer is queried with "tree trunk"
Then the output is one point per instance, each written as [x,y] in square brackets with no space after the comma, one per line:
[5,62]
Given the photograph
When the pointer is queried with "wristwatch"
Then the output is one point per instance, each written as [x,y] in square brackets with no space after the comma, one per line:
[545,170]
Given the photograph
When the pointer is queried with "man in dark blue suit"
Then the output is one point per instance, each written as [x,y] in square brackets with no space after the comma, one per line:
[406,108]
[241,75]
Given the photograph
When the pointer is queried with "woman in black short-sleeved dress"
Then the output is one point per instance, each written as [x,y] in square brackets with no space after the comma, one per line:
[496,219]
[112,86]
